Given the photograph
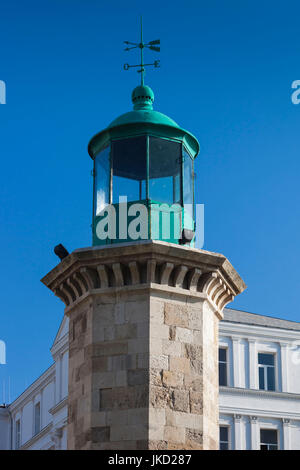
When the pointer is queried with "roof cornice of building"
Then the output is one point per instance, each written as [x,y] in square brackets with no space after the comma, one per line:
[249,331]
[38,436]
[44,379]
[248,318]
[257,392]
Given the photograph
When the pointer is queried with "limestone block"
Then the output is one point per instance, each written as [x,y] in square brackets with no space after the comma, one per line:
[194,439]
[111,348]
[137,346]
[128,432]
[172,379]
[119,313]
[155,346]
[142,330]
[159,397]
[137,377]
[195,319]
[159,361]
[176,315]
[186,420]
[121,362]
[196,402]
[124,398]
[109,333]
[180,364]
[180,400]
[158,444]
[156,377]
[156,431]
[138,416]
[126,331]
[142,361]
[171,348]
[174,434]
[159,331]
[137,312]
[98,418]
[184,335]
[121,378]
[157,415]
[104,380]
[117,417]
[157,311]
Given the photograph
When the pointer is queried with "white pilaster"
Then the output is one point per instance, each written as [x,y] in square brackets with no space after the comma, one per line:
[58,379]
[255,438]
[238,433]
[286,434]
[284,367]
[236,361]
[253,370]
[41,409]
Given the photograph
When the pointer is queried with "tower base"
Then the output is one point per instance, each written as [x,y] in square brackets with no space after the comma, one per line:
[143,344]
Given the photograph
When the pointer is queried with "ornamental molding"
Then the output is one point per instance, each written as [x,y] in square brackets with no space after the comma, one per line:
[237,417]
[259,414]
[113,268]
[35,438]
[60,347]
[28,395]
[260,393]
[258,333]
[59,406]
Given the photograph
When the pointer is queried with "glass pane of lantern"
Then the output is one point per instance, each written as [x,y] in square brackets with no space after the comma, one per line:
[129,158]
[164,170]
[102,176]
[188,190]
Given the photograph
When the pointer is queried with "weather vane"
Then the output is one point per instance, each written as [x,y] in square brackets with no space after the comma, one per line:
[152,45]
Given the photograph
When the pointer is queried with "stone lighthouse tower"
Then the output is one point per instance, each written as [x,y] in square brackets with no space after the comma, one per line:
[143,303]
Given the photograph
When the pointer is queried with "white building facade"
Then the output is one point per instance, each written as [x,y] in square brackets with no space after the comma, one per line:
[260,382]
[259,364]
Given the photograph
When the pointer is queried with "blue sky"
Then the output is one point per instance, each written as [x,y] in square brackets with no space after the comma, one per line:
[226,74]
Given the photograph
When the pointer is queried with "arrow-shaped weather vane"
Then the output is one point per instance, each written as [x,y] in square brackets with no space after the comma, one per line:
[152,45]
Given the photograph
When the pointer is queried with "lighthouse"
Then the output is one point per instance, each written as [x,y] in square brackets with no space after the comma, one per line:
[143,177]
[143,303]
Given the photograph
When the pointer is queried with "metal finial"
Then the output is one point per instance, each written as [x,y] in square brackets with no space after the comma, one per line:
[152,45]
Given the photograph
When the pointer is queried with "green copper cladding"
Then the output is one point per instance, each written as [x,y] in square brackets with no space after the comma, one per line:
[148,158]
[143,120]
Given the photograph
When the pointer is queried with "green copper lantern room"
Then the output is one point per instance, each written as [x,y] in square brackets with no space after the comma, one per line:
[143,177]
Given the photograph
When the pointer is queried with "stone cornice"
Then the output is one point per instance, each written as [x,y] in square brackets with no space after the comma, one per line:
[144,264]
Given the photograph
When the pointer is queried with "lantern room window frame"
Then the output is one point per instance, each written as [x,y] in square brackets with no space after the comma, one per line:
[183,152]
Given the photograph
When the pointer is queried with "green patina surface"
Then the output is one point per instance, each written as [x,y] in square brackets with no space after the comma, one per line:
[143,120]
[163,222]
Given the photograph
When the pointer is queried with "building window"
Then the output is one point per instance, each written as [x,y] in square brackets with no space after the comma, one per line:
[18,434]
[37,418]
[266,371]
[223,366]
[224,438]
[268,439]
